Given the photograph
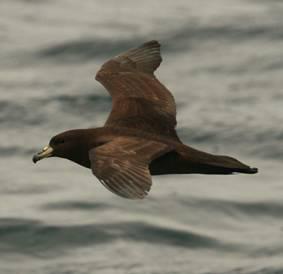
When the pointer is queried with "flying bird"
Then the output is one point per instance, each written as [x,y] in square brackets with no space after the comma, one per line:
[139,138]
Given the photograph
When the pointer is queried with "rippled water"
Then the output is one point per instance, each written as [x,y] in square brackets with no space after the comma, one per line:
[223,62]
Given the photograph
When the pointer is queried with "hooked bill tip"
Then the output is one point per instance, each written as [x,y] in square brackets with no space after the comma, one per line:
[34,159]
[44,153]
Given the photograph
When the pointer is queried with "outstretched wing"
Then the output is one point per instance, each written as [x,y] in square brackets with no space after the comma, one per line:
[139,100]
[122,165]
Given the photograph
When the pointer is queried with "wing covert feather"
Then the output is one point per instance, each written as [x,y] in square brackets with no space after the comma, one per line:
[122,165]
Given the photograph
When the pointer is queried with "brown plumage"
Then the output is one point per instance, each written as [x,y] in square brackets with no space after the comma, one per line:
[139,137]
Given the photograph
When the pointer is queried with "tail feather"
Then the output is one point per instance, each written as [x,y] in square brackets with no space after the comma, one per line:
[190,160]
[227,165]
[219,164]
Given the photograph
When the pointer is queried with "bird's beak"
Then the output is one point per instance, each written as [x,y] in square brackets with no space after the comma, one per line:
[46,152]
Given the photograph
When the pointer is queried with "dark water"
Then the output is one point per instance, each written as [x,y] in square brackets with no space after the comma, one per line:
[223,61]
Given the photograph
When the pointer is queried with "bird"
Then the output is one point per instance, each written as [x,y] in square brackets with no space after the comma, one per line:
[139,138]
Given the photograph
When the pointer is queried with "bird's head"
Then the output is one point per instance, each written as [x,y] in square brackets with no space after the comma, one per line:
[69,144]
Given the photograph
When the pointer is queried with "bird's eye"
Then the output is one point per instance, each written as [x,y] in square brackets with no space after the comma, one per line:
[59,141]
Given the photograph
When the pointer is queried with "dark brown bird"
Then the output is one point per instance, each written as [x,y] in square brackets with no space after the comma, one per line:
[139,138]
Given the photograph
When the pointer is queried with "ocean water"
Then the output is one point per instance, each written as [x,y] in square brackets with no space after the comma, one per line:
[223,62]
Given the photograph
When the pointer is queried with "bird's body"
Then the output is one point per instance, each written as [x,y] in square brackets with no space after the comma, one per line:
[139,137]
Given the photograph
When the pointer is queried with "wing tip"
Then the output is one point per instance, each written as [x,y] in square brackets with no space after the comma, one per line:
[146,57]
[151,44]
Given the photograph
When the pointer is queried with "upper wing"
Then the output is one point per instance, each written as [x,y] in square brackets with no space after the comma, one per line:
[139,100]
[122,165]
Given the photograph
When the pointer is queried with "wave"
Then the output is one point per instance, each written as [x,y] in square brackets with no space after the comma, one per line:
[18,114]
[261,142]
[244,270]
[74,205]
[238,32]
[34,238]
[257,209]
[86,49]
[177,39]
[23,113]
[8,151]
[272,209]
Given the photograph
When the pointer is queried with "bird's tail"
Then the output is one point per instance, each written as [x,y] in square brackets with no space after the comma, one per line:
[206,163]
[188,160]
[222,165]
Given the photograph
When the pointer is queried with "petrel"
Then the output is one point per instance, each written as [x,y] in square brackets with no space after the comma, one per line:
[139,138]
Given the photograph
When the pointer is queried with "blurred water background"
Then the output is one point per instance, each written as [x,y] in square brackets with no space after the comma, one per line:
[222,60]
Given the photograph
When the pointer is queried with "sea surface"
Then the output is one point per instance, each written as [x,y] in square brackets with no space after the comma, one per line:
[222,60]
